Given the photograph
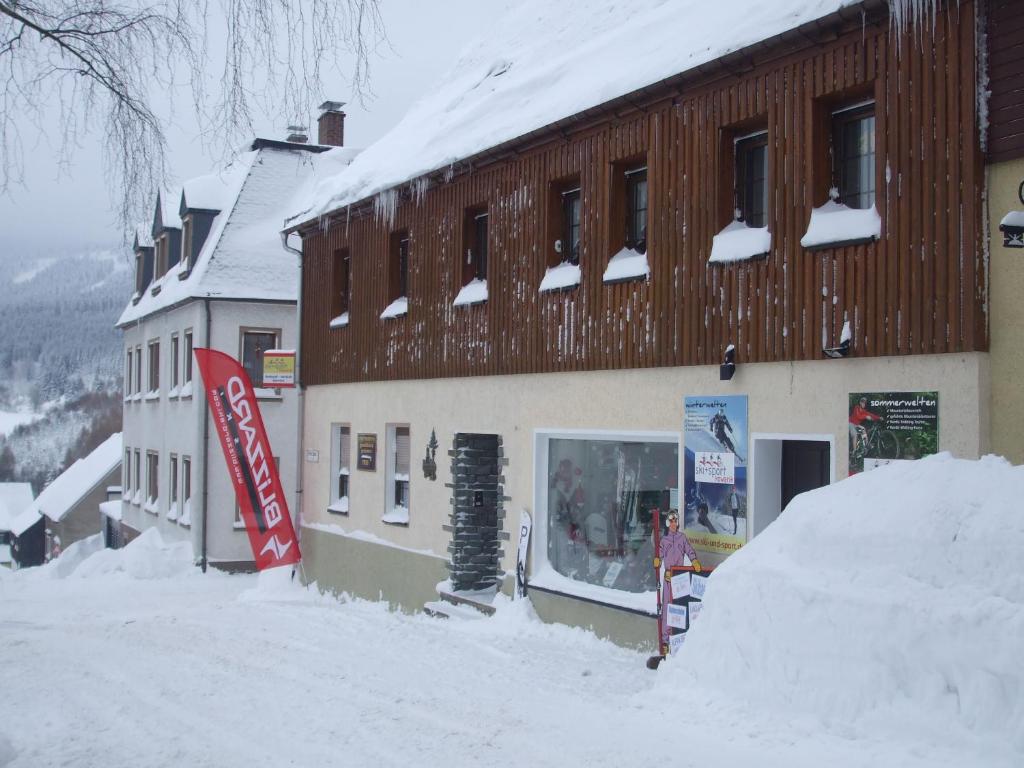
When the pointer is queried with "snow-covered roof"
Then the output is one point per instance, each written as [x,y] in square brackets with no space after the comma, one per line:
[167,209]
[14,497]
[542,62]
[143,236]
[242,257]
[24,521]
[210,192]
[75,482]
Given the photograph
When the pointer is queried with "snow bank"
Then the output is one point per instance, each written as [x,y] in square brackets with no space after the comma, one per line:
[890,602]
[147,557]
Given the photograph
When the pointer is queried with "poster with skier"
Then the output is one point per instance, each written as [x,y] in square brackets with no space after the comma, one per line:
[715,472]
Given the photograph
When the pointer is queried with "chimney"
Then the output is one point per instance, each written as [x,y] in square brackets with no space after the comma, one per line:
[297,134]
[331,124]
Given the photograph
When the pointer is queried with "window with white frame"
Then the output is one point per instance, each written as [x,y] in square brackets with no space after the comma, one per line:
[154,366]
[254,344]
[185,517]
[188,356]
[137,485]
[341,455]
[127,474]
[595,496]
[396,474]
[138,370]
[172,476]
[175,370]
[128,371]
[152,482]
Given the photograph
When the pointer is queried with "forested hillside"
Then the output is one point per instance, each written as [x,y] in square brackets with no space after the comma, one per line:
[60,356]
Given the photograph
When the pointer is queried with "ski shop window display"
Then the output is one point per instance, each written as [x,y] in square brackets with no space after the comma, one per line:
[600,496]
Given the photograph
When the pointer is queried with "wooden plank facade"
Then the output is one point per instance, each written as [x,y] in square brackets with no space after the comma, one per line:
[1005,35]
[920,289]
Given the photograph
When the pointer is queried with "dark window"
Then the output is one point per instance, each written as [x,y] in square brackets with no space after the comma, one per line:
[254,344]
[636,209]
[571,226]
[174,361]
[128,375]
[188,356]
[853,155]
[752,178]
[344,457]
[342,280]
[399,272]
[400,473]
[154,365]
[186,479]
[479,249]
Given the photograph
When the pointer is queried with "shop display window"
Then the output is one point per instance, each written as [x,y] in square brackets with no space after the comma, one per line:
[600,495]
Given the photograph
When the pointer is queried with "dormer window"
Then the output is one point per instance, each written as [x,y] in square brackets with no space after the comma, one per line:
[187,228]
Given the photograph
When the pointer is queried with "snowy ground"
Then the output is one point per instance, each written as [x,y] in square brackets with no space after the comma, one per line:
[133,658]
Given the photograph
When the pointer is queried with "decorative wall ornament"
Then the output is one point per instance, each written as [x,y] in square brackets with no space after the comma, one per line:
[429,465]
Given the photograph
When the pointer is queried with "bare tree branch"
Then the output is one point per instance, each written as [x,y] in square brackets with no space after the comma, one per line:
[112,67]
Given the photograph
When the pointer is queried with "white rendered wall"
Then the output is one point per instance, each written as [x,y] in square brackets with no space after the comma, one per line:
[175,425]
[785,398]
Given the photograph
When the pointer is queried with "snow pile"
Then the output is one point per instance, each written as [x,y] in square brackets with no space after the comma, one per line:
[542,62]
[892,602]
[739,241]
[836,224]
[72,557]
[147,557]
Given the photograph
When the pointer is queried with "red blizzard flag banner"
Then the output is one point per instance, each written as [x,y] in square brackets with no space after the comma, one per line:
[250,462]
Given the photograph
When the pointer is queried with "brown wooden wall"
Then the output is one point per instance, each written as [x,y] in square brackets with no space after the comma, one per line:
[1005,21]
[918,290]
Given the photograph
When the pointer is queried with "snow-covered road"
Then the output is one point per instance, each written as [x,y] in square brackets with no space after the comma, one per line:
[138,661]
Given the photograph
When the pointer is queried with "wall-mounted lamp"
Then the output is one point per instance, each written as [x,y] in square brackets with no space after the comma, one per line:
[728,366]
[843,350]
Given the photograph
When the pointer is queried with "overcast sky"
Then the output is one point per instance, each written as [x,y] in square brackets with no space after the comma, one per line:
[60,210]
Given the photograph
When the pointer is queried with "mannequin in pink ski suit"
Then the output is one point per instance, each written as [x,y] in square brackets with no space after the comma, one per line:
[673,550]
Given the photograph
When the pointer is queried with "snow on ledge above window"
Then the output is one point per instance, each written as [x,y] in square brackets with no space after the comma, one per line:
[627,264]
[738,242]
[340,321]
[396,308]
[474,292]
[835,224]
[341,505]
[397,516]
[565,275]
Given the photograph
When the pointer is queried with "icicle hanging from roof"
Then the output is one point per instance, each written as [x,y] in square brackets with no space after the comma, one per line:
[385,205]
[906,13]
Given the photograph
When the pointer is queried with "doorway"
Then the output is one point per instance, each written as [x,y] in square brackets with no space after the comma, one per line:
[785,466]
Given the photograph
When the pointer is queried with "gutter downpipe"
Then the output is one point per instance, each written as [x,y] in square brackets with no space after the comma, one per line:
[300,392]
[206,449]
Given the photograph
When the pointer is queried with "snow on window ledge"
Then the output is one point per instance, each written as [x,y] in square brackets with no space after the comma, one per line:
[339,506]
[137,498]
[739,241]
[152,506]
[396,308]
[834,224]
[153,394]
[173,393]
[565,275]
[550,580]
[172,512]
[186,390]
[136,397]
[474,292]
[627,264]
[239,525]
[340,321]
[397,516]
[185,518]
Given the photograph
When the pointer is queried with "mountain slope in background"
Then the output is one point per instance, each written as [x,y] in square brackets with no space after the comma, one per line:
[60,357]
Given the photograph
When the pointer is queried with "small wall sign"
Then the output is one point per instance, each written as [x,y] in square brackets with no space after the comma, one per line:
[279,368]
[312,457]
[367,446]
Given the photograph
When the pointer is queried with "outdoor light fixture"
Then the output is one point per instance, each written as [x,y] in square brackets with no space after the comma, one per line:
[728,366]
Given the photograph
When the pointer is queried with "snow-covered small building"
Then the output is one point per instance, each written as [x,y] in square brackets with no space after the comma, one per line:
[67,510]
[14,498]
[212,271]
[606,218]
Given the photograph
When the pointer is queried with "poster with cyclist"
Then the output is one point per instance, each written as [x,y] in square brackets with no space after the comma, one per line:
[891,426]
[715,472]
